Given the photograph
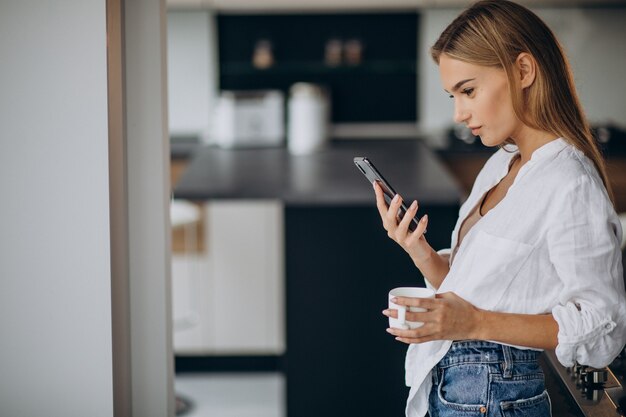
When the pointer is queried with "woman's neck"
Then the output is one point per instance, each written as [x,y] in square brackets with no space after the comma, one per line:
[528,140]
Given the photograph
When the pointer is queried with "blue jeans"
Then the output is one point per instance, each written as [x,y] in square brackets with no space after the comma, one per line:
[478,378]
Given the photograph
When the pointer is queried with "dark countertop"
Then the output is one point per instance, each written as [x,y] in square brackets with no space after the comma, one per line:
[182,147]
[328,177]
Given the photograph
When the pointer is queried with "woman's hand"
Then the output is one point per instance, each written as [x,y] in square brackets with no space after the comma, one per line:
[447,317]
[414,242]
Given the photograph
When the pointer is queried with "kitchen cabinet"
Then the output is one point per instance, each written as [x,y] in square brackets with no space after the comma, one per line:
[227,274]
[333,5]
[370,78]
[246,253]
[229,300]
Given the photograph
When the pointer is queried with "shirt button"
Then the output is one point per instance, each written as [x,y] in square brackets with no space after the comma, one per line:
[483,410]
[607,326]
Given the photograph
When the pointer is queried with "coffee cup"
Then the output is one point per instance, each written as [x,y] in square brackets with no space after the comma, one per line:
[413,292]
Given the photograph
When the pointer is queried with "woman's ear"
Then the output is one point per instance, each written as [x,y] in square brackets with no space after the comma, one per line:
[526,68]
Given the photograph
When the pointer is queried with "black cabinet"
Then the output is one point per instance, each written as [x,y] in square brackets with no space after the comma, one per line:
[381,87]
[340,265]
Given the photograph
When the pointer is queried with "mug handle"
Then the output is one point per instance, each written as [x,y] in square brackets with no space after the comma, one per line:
[402,317]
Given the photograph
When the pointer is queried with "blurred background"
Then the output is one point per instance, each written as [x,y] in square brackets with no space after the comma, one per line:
[280,268]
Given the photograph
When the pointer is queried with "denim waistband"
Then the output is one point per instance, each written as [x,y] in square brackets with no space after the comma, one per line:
[480,351]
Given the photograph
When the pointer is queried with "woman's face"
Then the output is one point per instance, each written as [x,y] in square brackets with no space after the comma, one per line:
[482,99]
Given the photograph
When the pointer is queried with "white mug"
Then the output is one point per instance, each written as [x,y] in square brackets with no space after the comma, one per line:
[413,292]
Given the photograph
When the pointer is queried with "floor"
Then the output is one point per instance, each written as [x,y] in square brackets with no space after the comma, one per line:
[233,395]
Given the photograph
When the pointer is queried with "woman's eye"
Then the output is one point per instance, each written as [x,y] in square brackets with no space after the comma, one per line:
[467,91]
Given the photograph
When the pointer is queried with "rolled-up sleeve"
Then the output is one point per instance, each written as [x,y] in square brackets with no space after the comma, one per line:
[584,249]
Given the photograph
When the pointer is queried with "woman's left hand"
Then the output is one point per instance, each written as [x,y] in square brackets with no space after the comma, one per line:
[447,317]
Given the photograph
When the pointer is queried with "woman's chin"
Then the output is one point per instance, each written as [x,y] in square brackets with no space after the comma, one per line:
[485,141]
[490,142]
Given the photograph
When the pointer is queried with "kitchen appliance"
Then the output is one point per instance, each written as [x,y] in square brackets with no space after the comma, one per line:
[595,392]
[308,118]
[252,118]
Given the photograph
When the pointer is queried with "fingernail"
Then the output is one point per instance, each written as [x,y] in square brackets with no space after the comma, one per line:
[385,312]
[395,198]
[394,299]
[413,205]
[425,218]
[388,330]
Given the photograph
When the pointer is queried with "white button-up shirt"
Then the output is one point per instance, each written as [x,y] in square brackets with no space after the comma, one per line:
[552,245]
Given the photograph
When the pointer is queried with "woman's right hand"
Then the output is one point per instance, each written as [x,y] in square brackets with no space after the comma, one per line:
[414,243]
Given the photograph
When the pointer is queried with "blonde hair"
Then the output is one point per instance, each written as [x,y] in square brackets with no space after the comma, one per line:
[493,33]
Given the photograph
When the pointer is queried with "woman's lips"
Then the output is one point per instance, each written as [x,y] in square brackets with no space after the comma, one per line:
[475,130]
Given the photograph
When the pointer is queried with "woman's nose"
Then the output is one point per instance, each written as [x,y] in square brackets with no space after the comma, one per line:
[460,114]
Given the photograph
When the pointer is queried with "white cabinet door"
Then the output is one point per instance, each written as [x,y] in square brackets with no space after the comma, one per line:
[246,247]
[237,292]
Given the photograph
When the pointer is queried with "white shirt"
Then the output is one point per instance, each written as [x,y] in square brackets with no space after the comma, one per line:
[550,246]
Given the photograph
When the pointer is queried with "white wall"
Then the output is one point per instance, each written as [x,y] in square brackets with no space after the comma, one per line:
[55,295]
[592,38]
[192,68]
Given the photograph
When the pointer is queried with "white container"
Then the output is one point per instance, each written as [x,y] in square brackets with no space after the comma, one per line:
[308,118]
[249,119]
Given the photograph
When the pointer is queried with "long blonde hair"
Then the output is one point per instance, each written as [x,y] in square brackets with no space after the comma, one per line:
[493,33]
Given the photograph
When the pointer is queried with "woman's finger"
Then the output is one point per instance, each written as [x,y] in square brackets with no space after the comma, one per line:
[421,227]
[427,303]
[381,205]
[421,316]
[411,341]
[392,213]
[422,332]
[408,216]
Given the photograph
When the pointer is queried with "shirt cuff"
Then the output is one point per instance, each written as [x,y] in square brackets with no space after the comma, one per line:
[580,334]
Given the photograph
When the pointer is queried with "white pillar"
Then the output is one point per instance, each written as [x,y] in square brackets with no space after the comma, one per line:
[148,208]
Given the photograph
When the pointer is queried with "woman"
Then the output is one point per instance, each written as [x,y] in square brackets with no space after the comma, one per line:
[535,261]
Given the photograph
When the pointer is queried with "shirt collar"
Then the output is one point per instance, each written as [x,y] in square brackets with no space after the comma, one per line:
[549,149]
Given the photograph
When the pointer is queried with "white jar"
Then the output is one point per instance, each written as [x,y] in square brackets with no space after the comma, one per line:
[308,118]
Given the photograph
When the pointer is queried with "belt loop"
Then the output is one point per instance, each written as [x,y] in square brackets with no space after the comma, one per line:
[507,372]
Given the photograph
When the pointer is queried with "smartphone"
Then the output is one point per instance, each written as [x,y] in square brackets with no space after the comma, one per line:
[373,175]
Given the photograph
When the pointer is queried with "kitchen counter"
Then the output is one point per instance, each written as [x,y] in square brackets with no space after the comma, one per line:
[183,147]
[465,165]
[327,178]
